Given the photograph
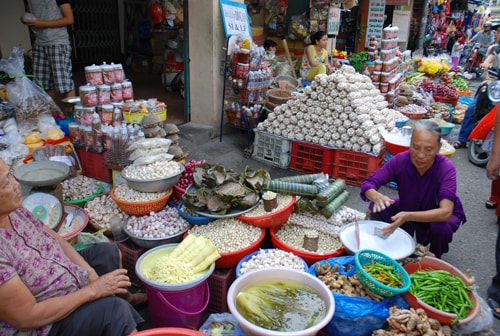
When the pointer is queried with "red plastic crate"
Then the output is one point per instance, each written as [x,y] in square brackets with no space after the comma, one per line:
[310,158]
[219,283]
[94,165]
[130,254]
[354,167]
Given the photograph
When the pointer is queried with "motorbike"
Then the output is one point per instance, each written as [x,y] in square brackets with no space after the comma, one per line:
[474,60]
[488,97]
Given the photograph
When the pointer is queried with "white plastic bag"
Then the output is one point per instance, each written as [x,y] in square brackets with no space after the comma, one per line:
[483,322]
[28,98]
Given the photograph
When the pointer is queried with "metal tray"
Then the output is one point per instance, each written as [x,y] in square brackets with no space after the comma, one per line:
[41,173]
[232,213]
[71,100]
[45,207]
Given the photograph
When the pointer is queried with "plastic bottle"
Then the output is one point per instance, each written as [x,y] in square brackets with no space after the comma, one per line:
[115,135]
[97,133]
[117,117]
[122,158]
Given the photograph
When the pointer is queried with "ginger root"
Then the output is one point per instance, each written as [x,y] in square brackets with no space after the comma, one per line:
[412,322]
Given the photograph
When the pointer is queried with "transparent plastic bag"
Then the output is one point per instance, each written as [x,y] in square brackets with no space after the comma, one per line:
[483,322]
[28,98]
[299,27]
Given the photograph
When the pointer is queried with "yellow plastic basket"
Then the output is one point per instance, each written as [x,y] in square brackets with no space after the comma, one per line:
[136,117]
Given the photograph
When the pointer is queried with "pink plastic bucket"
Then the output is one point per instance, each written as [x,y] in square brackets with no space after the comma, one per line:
[180,308]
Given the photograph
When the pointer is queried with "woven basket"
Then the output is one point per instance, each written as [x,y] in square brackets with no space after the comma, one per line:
[365,257]
[141,208]
[278,96]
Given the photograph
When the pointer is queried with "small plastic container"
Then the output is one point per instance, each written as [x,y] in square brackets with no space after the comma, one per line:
[88,95]
[378,65]
[390,64]
[127,90]
[384,87]
[103,94]
[108,73]
[93,74]
[116,93]
[376,85]
[74,133]
[107,113]
[385,77]
[87,113]
[119,73]
[376,76]
[386,55]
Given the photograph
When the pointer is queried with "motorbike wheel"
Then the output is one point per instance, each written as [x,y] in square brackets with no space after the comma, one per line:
[477,156]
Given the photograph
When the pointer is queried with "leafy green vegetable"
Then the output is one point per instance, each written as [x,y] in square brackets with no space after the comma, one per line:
[358,59]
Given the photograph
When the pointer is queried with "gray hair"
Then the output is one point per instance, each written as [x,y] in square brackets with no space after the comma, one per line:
[428,125]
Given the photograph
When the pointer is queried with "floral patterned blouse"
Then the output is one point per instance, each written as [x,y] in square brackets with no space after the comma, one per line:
[305,67]
[35,256]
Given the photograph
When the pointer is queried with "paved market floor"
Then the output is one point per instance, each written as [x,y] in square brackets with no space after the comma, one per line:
[473,244]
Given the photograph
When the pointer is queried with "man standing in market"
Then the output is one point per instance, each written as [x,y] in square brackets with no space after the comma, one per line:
[48,20]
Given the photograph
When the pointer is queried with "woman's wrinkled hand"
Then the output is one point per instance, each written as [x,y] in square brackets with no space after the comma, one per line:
[397,220]
[112,283]
[381,202]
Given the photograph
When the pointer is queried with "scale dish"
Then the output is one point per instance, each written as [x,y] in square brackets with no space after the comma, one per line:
[71,100]
[41,173]
[230,214]
[398,245]
[45,207]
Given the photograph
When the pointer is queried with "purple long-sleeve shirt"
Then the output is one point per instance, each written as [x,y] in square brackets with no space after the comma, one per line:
[418,192]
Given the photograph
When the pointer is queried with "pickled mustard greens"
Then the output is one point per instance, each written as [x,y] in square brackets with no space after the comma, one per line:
[281,305]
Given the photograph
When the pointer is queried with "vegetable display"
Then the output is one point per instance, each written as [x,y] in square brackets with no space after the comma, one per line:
[384,274]
[281,306]
[341,283]
[442,290]
[341,110]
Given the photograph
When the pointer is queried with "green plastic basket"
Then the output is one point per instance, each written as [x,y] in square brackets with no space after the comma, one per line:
[81,202]
[365,257]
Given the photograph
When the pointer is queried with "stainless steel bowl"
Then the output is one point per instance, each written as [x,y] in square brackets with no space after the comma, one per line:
[149,243]
[154,185]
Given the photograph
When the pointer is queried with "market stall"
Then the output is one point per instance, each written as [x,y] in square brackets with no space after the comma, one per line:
[331,133]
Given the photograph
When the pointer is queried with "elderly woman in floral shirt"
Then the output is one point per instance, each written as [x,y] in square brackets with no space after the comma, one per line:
[47,288]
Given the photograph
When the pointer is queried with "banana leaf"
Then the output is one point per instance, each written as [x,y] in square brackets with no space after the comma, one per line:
[198,174]
[196,200]
[217,206]
[256,179]
[231,192]
[248,201]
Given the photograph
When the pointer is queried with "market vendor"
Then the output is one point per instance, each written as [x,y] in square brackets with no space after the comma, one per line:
[428,205]
[47,288]
[315,58]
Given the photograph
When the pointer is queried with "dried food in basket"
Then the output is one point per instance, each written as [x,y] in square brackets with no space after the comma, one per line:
[100,210]
[79,187]
[278,96]
[170,129]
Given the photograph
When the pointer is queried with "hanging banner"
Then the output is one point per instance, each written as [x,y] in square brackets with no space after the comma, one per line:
[397,2]
[235,18]
[375,20]
[334,14]
[401,19]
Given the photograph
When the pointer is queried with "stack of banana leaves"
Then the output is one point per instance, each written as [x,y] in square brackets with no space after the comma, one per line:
[319,194]
[218,191]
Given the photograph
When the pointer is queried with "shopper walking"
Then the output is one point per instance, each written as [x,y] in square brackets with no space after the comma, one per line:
[52,48]
[456,52]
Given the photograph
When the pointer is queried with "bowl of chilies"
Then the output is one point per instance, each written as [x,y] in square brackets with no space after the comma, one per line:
[443,291]
[380,273]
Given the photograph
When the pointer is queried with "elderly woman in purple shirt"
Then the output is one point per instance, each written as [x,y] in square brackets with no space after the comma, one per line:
[428,206]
